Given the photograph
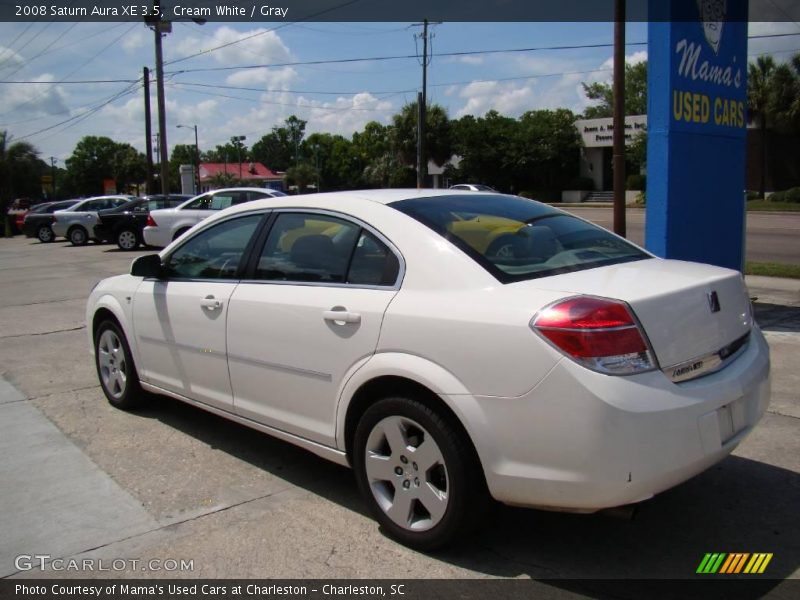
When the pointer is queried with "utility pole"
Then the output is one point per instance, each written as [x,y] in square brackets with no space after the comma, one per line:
[158,149]
[53,175]
[148,130]
[160,28]
[237,141]
[619,118]
[422,99]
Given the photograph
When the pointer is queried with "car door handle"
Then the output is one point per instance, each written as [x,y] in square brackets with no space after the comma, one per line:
[211,303]
[341,316]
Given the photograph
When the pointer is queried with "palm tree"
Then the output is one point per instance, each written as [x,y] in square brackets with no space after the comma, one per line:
[760,75]
[12,157]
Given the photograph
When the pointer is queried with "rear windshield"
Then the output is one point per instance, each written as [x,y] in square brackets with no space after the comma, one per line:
[517,239]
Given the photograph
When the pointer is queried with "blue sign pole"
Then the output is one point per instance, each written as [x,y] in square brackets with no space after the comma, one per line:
[697,127]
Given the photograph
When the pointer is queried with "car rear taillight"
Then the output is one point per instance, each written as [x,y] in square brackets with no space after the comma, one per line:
[151,222]
[600,334]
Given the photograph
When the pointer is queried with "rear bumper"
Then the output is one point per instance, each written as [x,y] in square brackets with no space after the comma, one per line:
[584,441]
[156,236]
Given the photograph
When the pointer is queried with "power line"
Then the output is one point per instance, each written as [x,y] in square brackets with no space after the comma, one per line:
[440,54]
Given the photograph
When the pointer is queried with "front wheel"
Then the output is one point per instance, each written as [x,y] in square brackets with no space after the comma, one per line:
[115,367]
[417,473]
[127,240]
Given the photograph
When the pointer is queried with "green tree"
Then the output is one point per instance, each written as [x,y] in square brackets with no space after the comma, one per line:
[280,148]
[545,150]
[484,145]
[227,153]
[438,141]
[336,158]
[92,161]
[129,167]
[301,175]
[182,154]
[784,98]
[760,105]
[635,94]
[20,170]
[377,157]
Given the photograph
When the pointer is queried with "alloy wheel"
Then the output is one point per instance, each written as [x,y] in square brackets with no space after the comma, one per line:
[113,364]
[126,240]
[407,474]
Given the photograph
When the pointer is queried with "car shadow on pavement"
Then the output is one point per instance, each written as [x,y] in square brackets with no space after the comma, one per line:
[739,505]
[777,317]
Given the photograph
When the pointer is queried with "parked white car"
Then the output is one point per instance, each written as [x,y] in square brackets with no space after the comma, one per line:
[564,368]
[168,224]
[472,187]
[77,223]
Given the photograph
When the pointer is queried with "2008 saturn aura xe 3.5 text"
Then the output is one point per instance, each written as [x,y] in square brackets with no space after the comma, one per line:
[448,346]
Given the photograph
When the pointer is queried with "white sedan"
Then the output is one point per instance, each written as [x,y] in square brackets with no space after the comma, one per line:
[168,224]
[444,345]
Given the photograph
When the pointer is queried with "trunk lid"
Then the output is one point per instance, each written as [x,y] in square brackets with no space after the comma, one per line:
[687,310]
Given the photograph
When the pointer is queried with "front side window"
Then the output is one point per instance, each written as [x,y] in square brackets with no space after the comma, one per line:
[214,253]
[306,247]
[517,239]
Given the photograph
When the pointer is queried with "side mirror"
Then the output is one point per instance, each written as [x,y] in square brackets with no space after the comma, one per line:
[148,266]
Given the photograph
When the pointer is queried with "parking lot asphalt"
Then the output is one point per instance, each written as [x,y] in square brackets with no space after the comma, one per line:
[81,479]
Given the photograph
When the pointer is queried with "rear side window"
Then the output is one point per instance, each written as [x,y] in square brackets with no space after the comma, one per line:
[321,248]
[517,239]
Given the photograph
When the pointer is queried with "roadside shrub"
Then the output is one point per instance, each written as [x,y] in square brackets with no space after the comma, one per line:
[641,198]
[790,195]
[753,195]
[636,181]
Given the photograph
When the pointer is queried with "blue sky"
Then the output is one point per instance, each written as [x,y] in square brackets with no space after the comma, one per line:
[338,98]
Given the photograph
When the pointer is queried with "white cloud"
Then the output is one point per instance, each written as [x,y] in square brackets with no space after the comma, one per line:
[260,45]
[343,115]
[466,60]
[34,99]
[9,58]
[278,78]
[133,41]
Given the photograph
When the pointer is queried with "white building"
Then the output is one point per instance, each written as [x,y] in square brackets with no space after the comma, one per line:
[598,141]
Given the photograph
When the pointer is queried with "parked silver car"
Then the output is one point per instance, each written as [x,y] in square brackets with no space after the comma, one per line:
[77,223]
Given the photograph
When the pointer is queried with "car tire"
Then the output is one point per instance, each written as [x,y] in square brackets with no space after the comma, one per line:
[127,239]
[44,234]
[424,500]
[78,236]
[179,233]
[115,368]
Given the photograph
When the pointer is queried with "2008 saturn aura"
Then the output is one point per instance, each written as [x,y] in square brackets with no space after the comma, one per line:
[447,346]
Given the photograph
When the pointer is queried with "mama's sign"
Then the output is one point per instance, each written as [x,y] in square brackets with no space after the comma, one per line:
[697,113]
[709,66]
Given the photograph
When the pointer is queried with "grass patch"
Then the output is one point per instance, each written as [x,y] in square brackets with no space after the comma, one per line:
[756,205]
[772,270]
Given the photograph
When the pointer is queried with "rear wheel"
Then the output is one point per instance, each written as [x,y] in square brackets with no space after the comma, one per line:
[179,233]
[115,367]
[78,236]
[44,234]
[417,473]
[127,239]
